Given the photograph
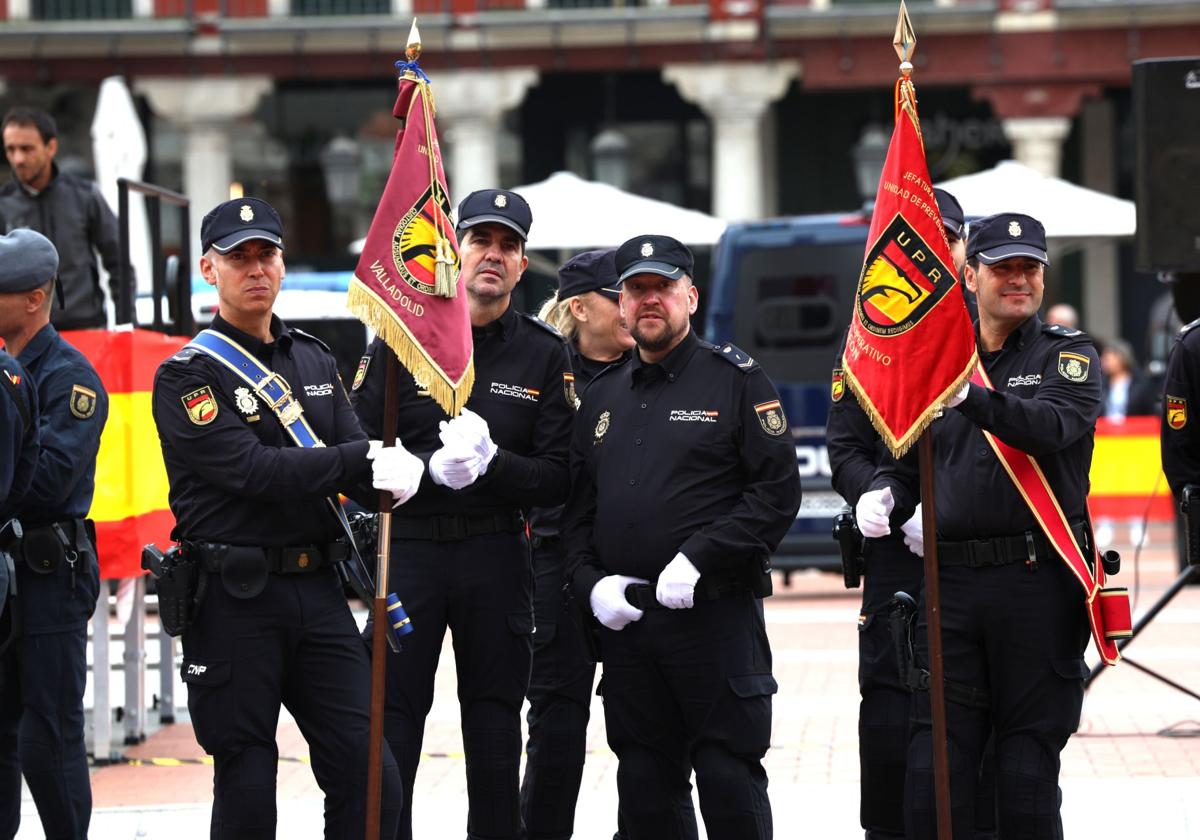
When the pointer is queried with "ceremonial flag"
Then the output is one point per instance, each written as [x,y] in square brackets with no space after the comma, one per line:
[911,344]
[407,285]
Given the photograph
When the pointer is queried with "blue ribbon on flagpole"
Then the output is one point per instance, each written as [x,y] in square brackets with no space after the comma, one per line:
[405,66]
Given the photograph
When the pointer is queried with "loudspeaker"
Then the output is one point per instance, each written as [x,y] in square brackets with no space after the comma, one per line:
[1166,115]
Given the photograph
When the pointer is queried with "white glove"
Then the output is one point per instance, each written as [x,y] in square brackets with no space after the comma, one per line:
[676,588]
[872,512]
[396,470]
[959,395]
[914,533]
[455,465]
[471,429]
[609,604]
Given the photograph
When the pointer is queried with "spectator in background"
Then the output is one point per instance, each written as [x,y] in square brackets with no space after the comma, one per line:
[1126,394]
[1064,315]
[67,210]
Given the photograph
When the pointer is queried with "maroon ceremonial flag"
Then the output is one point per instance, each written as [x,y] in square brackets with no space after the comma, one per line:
[407,285]
[911,344]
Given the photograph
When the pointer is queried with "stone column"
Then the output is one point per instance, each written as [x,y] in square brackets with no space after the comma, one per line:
[1101,278]
[470,104]
[735,97]
[204,108]
[1037,141]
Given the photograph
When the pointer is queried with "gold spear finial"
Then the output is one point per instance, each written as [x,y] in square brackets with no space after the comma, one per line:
[905,40]
[413,51]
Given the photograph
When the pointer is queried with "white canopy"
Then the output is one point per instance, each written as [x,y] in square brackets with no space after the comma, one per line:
[570,213]
[1067,210]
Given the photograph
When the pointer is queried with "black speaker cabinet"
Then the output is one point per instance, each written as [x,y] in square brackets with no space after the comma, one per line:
[1166,113]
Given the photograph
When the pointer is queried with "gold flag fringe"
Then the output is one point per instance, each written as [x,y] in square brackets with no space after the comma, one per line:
[902,444]
[373,312]
[444,273]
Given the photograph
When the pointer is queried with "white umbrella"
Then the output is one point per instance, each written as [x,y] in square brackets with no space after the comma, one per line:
[119,149]
[1067,210]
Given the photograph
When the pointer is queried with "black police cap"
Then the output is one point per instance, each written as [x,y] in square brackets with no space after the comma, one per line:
[28,260]
[239,220]
[500,206]
[591,271]
[1007,235]
[952,212]
[654,254]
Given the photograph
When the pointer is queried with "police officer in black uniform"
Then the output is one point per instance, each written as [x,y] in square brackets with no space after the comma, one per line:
[1179,441]
[587,312]
[460,554]
[683,482]
[44,672]
[252,509]
[1014,626]
[955,224]
[855,452]
[18,427]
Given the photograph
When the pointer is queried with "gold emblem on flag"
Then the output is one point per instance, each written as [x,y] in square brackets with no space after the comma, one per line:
[902,281]
[1014,228]
[771,417]
[602,425]
[415,242]
[837,388]
[201,406]
[1073,366]
[1176,412]
[83,402]
[247,214]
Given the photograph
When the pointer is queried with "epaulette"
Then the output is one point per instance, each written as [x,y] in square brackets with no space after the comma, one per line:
[185,354]
[1187,328]
[738,358]
[538,322]
[1059,331]
[311,338]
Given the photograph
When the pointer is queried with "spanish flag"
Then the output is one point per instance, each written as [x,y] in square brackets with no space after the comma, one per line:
[407,285]
[911,344]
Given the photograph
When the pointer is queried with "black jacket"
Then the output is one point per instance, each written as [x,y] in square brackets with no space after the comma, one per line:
[72,214]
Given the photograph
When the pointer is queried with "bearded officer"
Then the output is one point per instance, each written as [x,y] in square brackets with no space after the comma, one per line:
[1014,626]
[460,555]
[684,481]
[251,492]
[44,672]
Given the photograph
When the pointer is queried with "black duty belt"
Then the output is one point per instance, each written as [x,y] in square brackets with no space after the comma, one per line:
[641,595]
[1029,547]
[283,559]
[453,527]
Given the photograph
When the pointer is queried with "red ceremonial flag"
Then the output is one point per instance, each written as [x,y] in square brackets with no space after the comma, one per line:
[911,344]
[407,285]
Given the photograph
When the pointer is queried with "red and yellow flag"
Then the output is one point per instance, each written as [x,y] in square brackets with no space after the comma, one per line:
[911,344]
[407,285]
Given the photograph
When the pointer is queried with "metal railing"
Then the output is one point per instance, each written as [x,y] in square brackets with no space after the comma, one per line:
[171,277]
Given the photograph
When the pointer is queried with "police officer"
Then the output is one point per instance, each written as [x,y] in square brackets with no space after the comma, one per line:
[683,482]
[1013,621]
[587,312]
[855,452]
[58,578]
[460,555]
[1179,441]
[18,424]
[252,508]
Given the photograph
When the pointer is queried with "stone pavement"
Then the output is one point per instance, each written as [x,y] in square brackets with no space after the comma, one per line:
[1133,769]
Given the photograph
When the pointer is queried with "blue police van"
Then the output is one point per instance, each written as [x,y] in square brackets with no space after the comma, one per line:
[782,290]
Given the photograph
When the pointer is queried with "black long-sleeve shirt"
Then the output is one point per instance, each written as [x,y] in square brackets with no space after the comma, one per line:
[521,378]
[1180,439]
[19,445]
[692,455]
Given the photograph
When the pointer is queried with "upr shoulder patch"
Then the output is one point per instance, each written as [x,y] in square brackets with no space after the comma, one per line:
[1073,366]
[771,418]
[837,387]
[82,402]
[201,406]
[360,375]
[1176,412]
[735,357]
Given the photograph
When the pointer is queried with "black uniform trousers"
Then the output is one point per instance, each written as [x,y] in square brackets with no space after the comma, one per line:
[1019,635]
[688,689]
[884,710]
[42,678]
[294,644]
[481,588]
[560,699]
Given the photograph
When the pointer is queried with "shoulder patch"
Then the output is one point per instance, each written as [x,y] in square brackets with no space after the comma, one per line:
[771,418]
[1176,411]
[1073,366]
[1187,328]
[360,375]
[1060,331]
[310,337]
[538,322]
[837,386]
[201,406]
[82,402]
[735,357]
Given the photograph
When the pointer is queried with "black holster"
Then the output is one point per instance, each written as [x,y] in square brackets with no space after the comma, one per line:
[902,620]
[180,582]
[850,542]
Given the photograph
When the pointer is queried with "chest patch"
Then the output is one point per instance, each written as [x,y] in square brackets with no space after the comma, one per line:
[83,402]
[246,402]
[518,391]
[318,390]
[602,425]
[1073,366]
[1176,412]
[771,417]
[1024,379]
[201,406]
[696,415]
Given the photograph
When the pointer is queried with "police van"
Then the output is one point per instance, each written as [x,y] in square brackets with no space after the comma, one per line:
[782,290]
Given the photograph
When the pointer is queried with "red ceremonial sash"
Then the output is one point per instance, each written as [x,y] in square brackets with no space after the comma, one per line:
[1107,609]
